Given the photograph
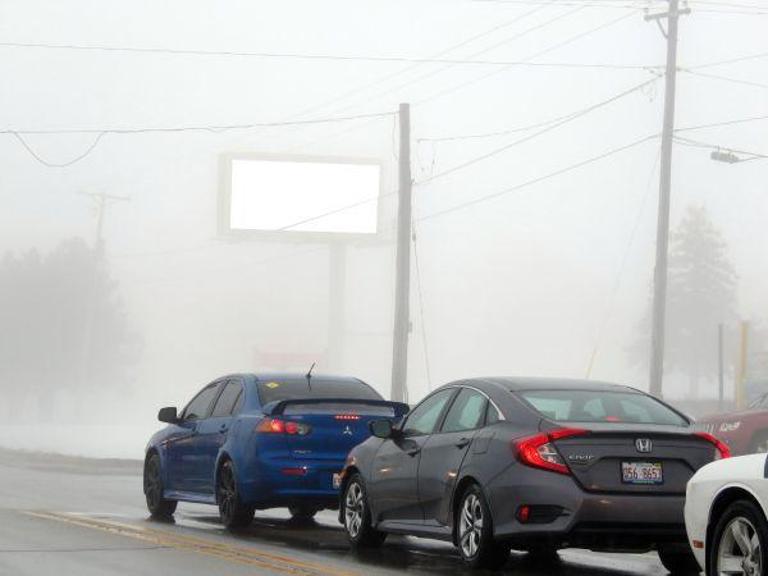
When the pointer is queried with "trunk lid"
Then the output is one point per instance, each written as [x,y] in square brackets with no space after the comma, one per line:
[635,459]
[332,427]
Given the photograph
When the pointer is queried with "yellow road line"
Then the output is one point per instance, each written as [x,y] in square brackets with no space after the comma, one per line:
[232,553]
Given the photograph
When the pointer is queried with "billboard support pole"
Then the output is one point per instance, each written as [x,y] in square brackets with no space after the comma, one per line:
[399,386]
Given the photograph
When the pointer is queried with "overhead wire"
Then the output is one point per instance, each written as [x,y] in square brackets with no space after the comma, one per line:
[548,128]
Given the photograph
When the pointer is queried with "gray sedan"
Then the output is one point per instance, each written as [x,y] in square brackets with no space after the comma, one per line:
[531,464]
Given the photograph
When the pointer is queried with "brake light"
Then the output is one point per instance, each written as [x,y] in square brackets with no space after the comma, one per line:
[722,448]
[347,417]
[540,452]
[277,426]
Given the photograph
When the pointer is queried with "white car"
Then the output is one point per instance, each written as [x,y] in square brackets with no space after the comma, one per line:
[725,516]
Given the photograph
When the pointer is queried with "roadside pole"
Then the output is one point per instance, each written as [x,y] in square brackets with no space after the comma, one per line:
[399,385]
[741,376]
[665,185]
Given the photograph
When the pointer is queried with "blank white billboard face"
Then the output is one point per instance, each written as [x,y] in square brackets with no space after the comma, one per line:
[274,195]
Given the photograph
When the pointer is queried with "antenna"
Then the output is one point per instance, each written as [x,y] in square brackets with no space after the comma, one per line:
[309,376]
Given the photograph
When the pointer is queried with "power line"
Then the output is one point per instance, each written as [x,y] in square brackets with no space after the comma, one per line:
[420,301]
[724,78]
[550,127]
[728,61]
[536,180]
[380,59]
[102,132]
[722,123]
[557,46]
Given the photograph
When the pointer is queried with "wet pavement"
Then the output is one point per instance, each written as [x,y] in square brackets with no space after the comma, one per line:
[79,517]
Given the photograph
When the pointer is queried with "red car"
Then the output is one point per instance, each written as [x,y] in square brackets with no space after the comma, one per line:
[745,431]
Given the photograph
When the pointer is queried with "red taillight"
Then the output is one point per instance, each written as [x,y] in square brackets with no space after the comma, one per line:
[539,452]
[347,417]
[277,426]
[722,448]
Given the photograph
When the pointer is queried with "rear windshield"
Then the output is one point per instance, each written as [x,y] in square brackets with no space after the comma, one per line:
[600,406]
[292,389]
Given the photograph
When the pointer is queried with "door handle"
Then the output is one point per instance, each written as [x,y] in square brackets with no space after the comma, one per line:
[463,443]
[223,428]
[413,452]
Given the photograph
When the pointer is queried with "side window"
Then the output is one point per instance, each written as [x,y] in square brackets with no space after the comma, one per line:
[197,409]
[423,418]
[492,416]
[227,399]
[466,413]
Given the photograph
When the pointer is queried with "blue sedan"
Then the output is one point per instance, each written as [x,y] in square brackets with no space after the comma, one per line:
[257,441]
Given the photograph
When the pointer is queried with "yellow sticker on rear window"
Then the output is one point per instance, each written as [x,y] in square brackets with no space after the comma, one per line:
[272,385]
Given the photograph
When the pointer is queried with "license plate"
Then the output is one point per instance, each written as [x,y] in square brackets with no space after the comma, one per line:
[336,481]
[642,473]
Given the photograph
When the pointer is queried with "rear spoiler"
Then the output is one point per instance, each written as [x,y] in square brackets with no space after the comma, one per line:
[278,407]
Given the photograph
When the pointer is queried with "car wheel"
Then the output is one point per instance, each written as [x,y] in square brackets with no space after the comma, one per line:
[159,507]
[679,560]
[759,444]
[234,513]
[739,541]
[474,532]
[357,516]
[302,512]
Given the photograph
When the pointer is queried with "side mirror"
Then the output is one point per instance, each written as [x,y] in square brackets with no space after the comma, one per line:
[168,415]
[382,428]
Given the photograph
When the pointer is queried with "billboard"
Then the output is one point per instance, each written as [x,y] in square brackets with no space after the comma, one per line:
[299,196]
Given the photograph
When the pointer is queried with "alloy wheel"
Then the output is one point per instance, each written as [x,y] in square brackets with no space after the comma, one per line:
[739,551]
[227,492]
[353,509]
[153,487]
[471,526]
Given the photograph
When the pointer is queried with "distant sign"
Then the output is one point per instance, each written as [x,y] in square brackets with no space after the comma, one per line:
[263,194]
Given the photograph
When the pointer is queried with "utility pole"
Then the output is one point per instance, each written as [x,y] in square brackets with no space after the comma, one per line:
[98,253]
[399,388]
[665,184]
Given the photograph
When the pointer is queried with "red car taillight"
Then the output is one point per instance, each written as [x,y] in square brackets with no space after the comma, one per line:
[540,452]
[277,426]
[722,448]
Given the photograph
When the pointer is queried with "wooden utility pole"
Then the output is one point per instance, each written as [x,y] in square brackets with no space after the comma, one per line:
[665,185]
[399,386]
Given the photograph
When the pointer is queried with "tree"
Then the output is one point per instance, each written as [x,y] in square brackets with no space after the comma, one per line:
[701,295]
[64,328]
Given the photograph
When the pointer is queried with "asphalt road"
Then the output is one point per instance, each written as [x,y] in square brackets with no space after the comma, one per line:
[82,517]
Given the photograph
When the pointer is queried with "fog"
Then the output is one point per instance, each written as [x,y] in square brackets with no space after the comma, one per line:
[523,262]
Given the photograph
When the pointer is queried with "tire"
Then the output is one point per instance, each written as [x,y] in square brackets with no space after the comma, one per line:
[474,532]
[302,513]
[679,560]
[234,513]
[742,515]
[356,513]
[158,506]
[759,443]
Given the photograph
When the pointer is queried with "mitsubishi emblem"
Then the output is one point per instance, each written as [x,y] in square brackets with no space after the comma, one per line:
[347,430]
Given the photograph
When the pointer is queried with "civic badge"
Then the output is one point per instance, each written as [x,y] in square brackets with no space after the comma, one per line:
[644,445]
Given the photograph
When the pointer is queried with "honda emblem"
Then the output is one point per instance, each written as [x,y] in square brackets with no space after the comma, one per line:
[644,445]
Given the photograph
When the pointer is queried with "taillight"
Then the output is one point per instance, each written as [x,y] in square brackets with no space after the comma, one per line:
[540,452]
[277,426]
[722,450]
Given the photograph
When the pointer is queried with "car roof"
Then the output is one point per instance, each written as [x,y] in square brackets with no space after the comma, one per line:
[267,376]
[517,384]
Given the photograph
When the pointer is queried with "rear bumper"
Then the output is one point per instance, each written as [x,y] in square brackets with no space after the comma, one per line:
[291,482]
[580,518]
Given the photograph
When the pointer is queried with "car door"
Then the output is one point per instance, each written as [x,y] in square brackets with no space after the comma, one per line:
[212,432]
[394,476]
[443,453]
[185,461]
